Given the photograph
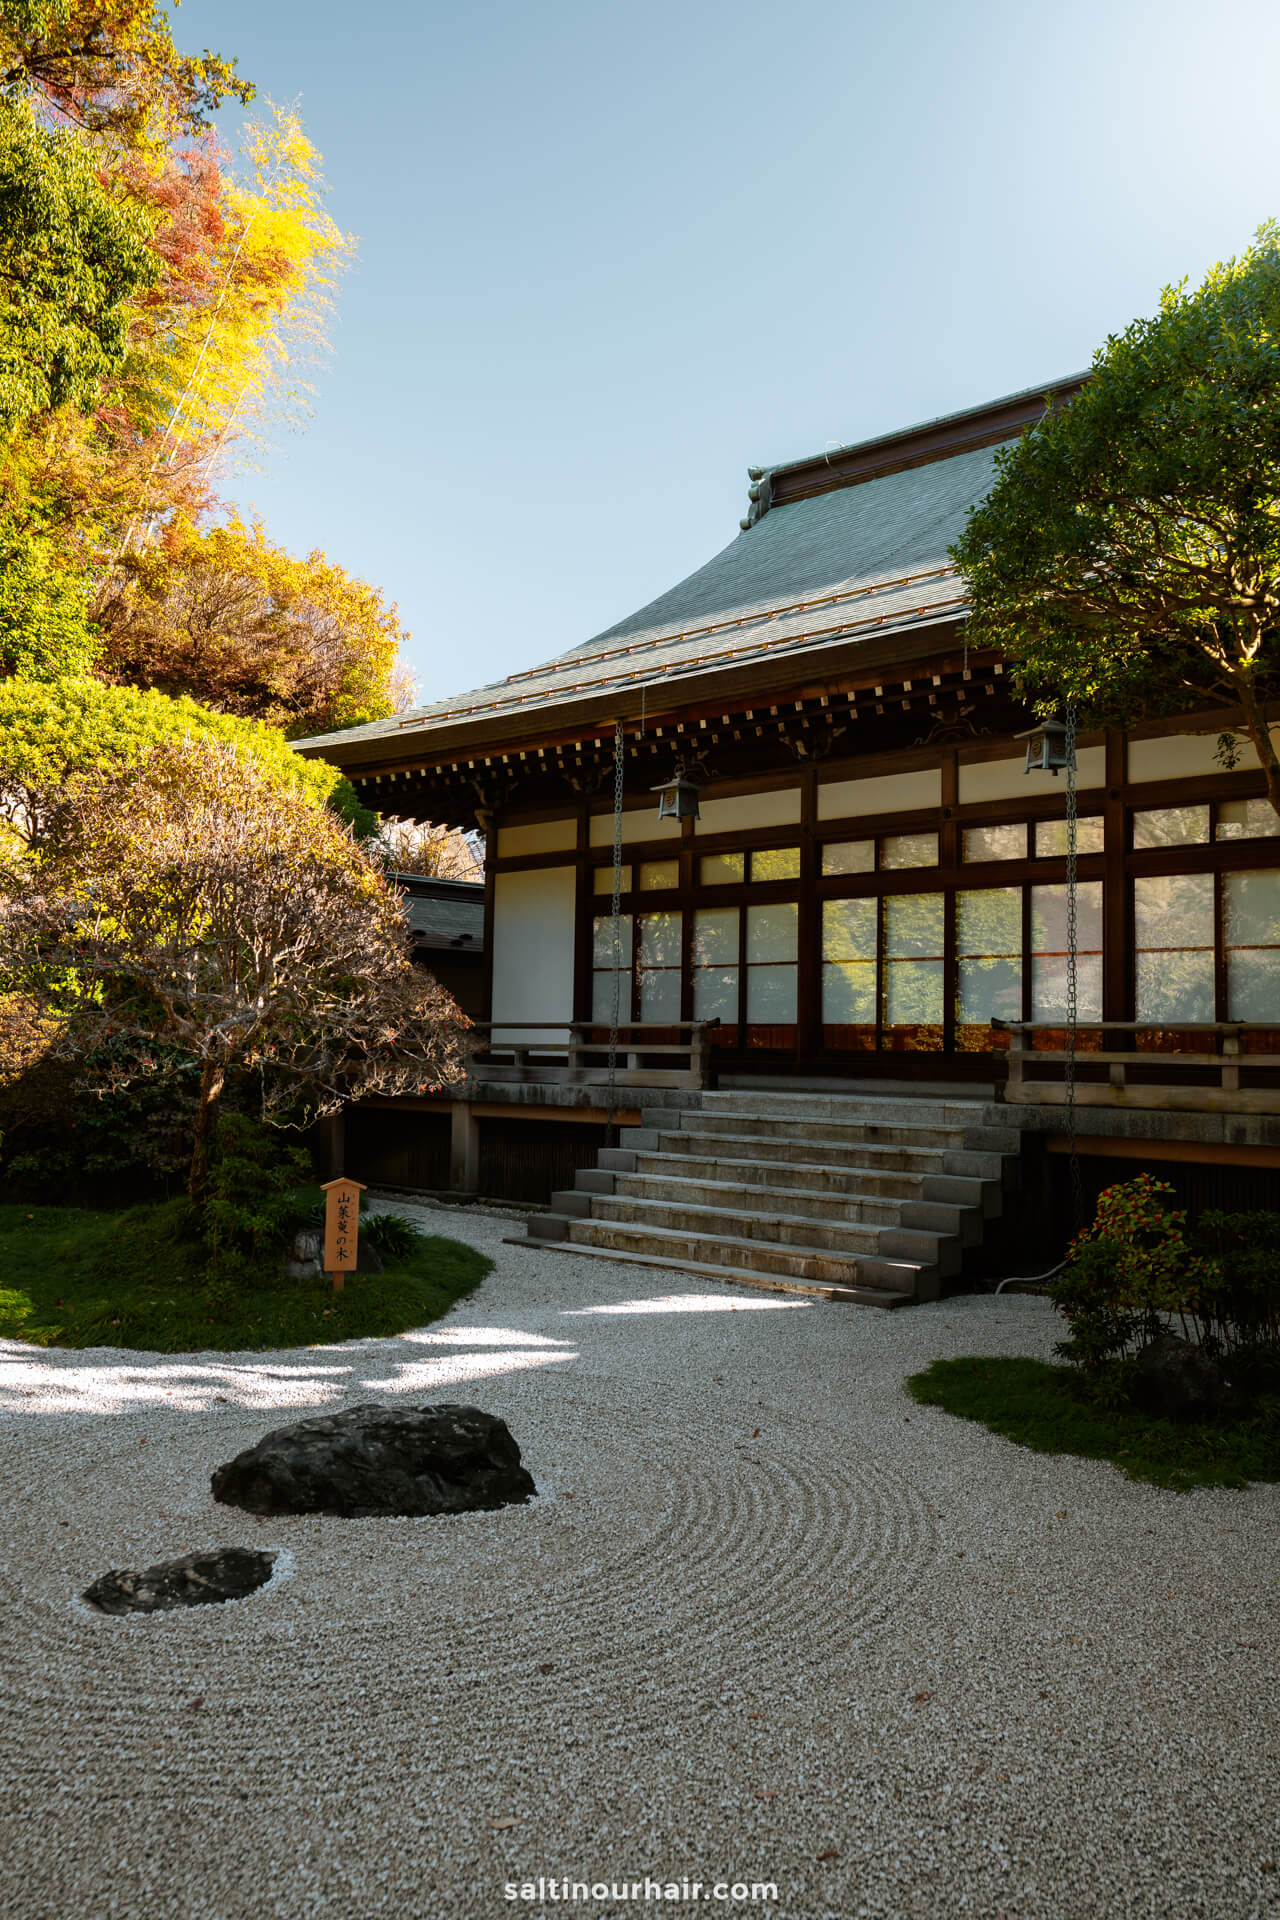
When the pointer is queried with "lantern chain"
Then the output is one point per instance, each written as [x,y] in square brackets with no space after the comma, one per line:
[615,909]
[1073,970]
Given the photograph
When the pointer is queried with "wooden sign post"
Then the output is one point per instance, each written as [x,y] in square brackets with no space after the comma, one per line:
[341,1229]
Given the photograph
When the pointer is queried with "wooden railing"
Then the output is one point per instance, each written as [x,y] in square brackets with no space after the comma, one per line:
[582,1059]
[1138,1076]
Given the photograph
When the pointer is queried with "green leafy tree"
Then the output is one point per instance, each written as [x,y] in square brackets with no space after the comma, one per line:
[72,259]
[55,735]
[44,615]
[1127,558]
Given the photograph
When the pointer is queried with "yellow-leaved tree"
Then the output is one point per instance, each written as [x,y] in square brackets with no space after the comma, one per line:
[299,643]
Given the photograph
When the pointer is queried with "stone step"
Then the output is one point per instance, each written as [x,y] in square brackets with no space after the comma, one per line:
[955,1190]
[941,1251]
[838,1106]
[730,1276]
[867,1199]
[902,1133]
[962,1126]
[841,1238]
[855,1153]
[816,1265]
[700,1188]
[961,1223]
[873,1183]
[1004,1167]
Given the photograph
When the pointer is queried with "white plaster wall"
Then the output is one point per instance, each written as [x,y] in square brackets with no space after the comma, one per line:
[882,793]
[779,808]
[544,836]
[533,951]
[982,780]
[1181,756]
[638,823]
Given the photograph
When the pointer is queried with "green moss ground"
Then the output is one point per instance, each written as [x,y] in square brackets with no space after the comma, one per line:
[1045,1408]
[72,1278]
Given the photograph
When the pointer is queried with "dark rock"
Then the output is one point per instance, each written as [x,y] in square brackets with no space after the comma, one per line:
[1182,1382]
[371,1460]
[303,1261]
[368,1259]
[193,1580]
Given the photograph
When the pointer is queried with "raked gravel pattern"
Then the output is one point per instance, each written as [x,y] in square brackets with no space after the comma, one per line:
[768,1621]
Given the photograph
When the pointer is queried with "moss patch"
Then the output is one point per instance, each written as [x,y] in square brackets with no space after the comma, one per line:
[1047,1409]
[140,1279]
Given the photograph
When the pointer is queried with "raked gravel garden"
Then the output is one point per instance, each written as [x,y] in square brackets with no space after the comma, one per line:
[768,1620]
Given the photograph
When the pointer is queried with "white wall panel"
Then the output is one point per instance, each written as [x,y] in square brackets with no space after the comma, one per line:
[779,808]
[638,823]
[883,793]
[1181,756]
[543,836]
[982,780]
[533,951]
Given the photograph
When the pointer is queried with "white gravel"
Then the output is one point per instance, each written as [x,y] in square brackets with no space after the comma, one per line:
[872,1654]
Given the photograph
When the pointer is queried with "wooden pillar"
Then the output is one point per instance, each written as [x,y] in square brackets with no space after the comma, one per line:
[809,925]
[586,905]
[464,1148]
[1117,928]
[333,1136]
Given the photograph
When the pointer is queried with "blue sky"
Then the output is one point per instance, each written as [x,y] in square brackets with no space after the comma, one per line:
[611,254]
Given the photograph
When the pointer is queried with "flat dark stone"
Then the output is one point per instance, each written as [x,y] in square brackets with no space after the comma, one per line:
[1182,1382]
[380,1460]
[193,1580]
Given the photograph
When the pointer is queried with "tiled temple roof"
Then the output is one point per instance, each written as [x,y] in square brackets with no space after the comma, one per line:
[846,545]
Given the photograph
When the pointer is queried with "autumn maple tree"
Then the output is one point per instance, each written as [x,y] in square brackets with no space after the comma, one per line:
[161,305]
[191,909]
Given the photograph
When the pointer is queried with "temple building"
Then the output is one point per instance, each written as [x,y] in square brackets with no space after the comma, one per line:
[861,882]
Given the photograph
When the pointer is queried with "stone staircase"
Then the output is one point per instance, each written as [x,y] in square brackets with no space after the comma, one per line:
[869,1199]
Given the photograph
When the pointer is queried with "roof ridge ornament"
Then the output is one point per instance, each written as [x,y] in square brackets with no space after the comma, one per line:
[760,494]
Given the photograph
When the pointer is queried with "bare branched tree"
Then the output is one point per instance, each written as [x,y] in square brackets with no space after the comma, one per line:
[442,853]
[190,903]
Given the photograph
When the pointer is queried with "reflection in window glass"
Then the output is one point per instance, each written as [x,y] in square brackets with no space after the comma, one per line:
[771,964]
[1050,837]
[658,966]
[602,947]
[996,843]
[1246,820]
[776,863]
[602,958]
[715,965]
[909,850]
[721,869]
[988,962]
[1049,952]
[849,856]
[602,880]
[913,948]
[1173,941]
[659,939]
[1251,916]
[771,933]
[849,962]
[1171,827]
[771,996]
[659,873]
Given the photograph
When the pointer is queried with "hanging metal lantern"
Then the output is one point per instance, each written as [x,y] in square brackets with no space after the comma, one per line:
[1049,749]
[679,797]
